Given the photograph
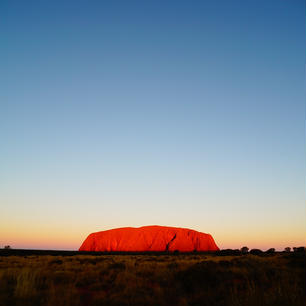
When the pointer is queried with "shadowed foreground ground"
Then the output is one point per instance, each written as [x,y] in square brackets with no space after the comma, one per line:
[194,279]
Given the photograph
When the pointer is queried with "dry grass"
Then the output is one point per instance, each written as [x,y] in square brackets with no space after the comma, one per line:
[133,280]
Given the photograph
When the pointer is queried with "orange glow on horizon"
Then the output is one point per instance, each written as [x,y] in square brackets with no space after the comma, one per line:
[59,238]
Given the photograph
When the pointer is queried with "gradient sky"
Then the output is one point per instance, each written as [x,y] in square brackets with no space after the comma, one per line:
[131,113]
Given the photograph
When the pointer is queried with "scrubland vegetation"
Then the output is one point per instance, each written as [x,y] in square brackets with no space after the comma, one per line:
[194,279]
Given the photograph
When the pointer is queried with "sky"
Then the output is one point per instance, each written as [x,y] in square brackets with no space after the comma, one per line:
[132,113]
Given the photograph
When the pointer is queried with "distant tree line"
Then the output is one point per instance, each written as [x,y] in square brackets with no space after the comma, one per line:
[246,250]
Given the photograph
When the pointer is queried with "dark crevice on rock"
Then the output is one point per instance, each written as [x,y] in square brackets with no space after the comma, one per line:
[168,244]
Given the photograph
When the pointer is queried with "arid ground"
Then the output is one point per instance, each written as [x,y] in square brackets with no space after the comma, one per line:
[276,279]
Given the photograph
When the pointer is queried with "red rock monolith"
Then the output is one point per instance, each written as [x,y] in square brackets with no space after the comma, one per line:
[149,239]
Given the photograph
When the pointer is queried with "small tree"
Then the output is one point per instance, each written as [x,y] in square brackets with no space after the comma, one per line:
[270,251]
[299,249]
[287,249]
[244,250]
[256,252]
[7,247]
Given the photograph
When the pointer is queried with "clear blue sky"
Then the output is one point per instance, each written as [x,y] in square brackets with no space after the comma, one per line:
[129,113]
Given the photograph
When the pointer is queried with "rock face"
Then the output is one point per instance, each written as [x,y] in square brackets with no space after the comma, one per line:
[149,239]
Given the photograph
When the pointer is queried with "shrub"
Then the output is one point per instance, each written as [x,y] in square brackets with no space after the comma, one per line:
[244,250]
[299,249]
[256,252]
[229,252]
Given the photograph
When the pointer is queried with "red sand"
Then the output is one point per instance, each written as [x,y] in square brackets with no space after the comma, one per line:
[149,239]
